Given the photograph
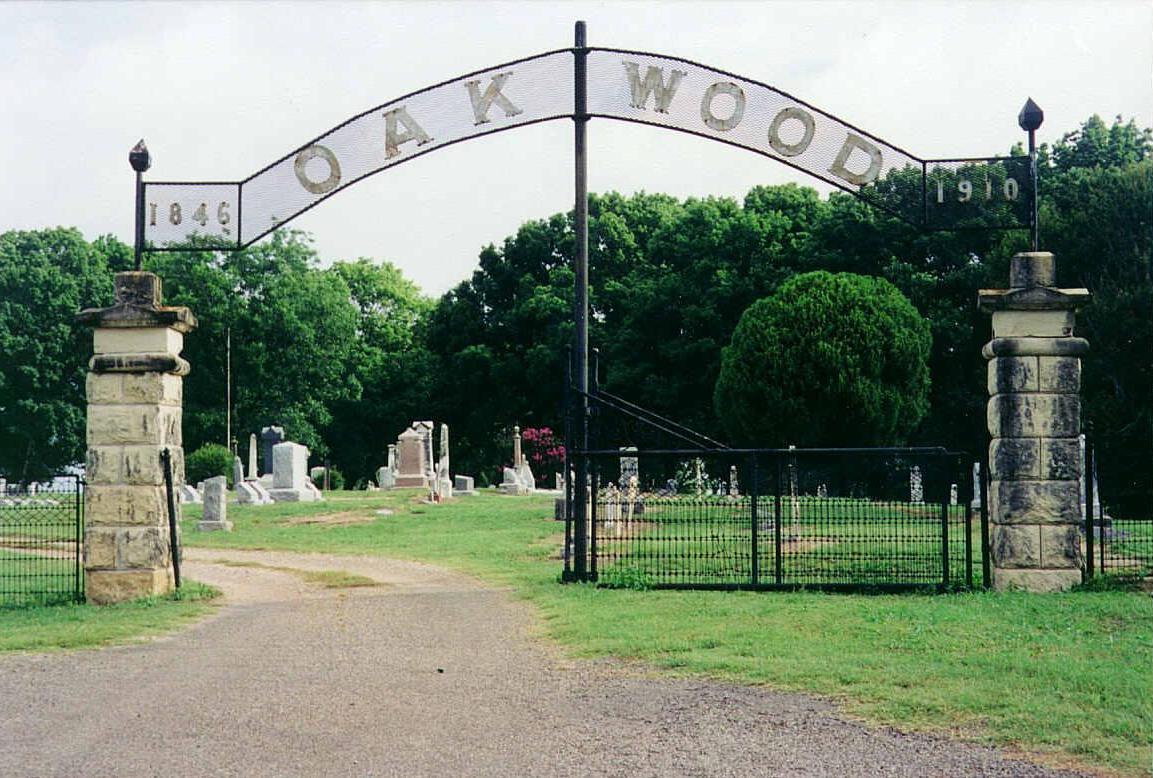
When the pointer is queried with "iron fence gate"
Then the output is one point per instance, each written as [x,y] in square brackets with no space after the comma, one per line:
[880,518]
[41,532]
[1118,528]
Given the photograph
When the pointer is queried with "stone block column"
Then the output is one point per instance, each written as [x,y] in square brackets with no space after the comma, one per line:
[134,412]
[1034,418]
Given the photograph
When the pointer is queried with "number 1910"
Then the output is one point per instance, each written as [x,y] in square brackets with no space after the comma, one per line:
[1009,190]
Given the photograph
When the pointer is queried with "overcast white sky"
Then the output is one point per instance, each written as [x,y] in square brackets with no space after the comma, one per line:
[219,90]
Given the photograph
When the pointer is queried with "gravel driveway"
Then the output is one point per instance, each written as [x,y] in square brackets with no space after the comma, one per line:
[429,674]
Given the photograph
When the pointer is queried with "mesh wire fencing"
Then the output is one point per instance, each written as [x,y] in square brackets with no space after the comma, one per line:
[40,542]
[1118,513]
[853,519]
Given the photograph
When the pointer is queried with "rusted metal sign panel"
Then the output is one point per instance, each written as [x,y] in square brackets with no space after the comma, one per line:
[625,85]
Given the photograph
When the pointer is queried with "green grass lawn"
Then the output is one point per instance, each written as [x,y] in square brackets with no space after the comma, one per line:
[56,627]
[1067,676]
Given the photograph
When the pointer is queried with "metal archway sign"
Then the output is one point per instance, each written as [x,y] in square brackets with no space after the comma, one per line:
[631,86]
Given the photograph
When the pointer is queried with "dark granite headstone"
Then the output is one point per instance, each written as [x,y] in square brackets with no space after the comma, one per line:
[269,437]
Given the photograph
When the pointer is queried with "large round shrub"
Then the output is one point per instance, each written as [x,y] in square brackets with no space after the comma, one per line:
[211,459]
[828,360]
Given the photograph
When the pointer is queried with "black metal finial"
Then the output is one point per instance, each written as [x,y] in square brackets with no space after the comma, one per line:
[1031,116]
[139,157]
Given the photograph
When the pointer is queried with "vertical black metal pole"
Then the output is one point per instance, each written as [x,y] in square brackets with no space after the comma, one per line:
[983,484]
[777,556]
[753,490]
[173,537]
[1090,518]
[967,496]
[139,238]
[1033,175]
[580,310]
[945,539]
[79,537]
[568,465]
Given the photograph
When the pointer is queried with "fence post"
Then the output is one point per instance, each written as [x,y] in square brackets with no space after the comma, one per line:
[945,538]
[753,491]
[777,526]
[173,527]
[968,501]
[1090,519]
[595,481]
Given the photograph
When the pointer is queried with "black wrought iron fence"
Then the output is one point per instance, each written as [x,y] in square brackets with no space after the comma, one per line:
[41,527]
[780,518]
[1118,528]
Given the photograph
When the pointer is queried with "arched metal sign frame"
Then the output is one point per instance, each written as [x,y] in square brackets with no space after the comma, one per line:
[632,86]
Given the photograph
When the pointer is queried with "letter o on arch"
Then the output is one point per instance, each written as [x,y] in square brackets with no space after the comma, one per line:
[723,88]
[309,154]
[791,149]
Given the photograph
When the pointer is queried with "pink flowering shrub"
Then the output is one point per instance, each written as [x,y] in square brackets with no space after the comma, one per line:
[543,450]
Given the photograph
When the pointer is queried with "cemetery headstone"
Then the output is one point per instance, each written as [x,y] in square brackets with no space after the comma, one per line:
[952,494]
[269,437]
[424,429]
[511,483]
[520,465]
[444,487]
[916,485]
[188,494]
[630,467]
[1085,484]
[253,470]
[246,494]
[215,517]
[290,474]
[975,504]
[237,471]
[412,467]
[463,485]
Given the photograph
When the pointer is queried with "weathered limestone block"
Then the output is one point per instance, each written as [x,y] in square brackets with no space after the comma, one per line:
[105,587]
[1033,414]
[100,547]
[1012,374]
[1035,502]
[1015,458]
[1060,459]
[1035,580]
[1059,374]
[1060,546]
[1049,324]
[124,505]
[1016,546]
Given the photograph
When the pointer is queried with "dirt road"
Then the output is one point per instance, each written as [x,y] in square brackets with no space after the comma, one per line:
[427,674]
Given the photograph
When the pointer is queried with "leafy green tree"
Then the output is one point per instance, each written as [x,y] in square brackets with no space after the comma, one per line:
[46,276]
[827,360]
[389,361]
[293,333]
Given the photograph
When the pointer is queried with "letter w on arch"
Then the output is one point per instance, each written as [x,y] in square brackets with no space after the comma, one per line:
[631,86]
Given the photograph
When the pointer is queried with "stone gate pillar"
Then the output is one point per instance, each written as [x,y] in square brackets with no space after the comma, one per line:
[134,412]
[1034,418]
